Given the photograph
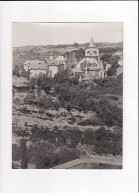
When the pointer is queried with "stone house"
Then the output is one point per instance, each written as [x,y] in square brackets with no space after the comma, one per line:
[61,60]
[56,65]
[36,67]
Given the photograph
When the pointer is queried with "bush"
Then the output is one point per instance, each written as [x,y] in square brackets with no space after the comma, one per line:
[25,73]
[114,98]
[44,83]
[85,99]
[107,142]
[109,85]
[17,70]
[71,95]
[30,97]
[65,155]
[44,155]
[62,78]
[56,105]
[16,152]
[46,101]
[90,121]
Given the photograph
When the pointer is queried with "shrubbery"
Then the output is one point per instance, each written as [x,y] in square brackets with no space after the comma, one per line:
[90,121]
[109,85]
[84,99]
[49,149]
[103,140]
[44,155]
[107,142]
[72,94]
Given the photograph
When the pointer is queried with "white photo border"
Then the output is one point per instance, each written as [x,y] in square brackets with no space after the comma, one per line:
[83,181]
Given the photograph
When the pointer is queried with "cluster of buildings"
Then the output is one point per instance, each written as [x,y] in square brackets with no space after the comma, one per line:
[87,68]
[50,68]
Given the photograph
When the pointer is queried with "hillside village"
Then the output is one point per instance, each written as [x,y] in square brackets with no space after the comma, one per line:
[88,68]
[67,99]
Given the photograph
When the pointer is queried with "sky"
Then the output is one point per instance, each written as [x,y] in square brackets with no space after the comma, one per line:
[28,34]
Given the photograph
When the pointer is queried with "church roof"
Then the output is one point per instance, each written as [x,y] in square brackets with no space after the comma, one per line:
[91,44]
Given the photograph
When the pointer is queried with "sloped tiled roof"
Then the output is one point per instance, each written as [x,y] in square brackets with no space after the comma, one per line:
[79,66]
[57,61]
[31,61]
[53,62]
[60,58]
[36,64]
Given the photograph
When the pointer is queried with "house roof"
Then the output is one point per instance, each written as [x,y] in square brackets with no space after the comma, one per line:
[51,62]
[36,64]
[79,66]
[60,58]
[54,63]
[31,61]
[57,61]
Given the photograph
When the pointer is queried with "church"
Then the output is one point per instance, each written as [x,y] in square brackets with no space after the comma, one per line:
[90,66]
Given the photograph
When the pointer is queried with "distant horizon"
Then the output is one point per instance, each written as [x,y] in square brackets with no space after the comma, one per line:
[38,34]
[67,44]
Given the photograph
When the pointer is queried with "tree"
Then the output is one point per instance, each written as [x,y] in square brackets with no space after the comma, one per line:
[75,80]
[68,108]
[107,142]
[25,73]
[76,45]
[47,88]
[32,83]
[23,154]
[44,83]
[62,77]
[111,72]
[79,53]
[17,70]
[24,134]
[100,81]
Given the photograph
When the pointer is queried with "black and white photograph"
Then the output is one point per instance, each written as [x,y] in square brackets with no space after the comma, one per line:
[69,97]
[67,86]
